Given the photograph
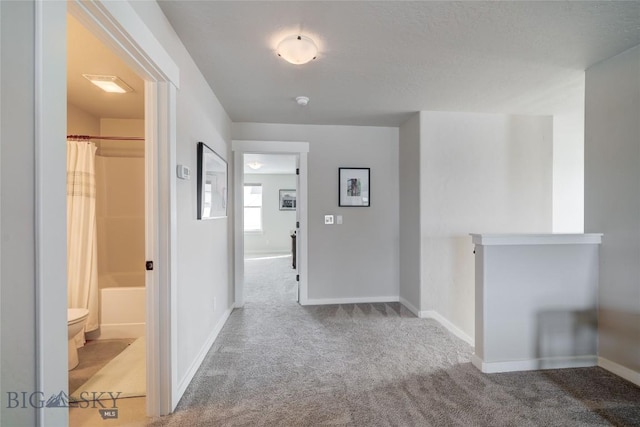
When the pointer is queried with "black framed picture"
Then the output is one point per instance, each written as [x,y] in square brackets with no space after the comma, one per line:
[354,187]
[212,183]
[287,200]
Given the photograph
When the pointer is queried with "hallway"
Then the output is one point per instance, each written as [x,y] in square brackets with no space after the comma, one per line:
[278,363]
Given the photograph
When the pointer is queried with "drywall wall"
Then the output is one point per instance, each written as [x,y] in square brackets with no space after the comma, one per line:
[277,225]
[80,122]
[612,204]
[204,247]
[357,260]
[17,276]
[482,173]
[409,207]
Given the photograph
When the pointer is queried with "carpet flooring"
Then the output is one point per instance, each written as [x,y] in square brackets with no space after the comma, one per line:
[276,363]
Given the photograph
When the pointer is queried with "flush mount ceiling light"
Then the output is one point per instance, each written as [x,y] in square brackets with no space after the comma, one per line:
[297,50]
[111,84]
[255,165]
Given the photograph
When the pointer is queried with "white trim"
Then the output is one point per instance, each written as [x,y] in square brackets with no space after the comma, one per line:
[619,370]
[50,208]
[536,239]
[409,306]
[533,364]
[359,300]
[240,148]
[432,314]
[193,368]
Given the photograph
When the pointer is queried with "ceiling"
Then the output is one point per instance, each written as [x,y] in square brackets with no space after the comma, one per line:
[87,55]
[379,61]
[271,163]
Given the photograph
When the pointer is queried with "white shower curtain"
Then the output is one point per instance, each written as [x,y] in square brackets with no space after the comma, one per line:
[82,248]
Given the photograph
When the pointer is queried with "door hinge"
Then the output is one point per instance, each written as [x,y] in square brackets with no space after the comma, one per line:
[297,171]
[297,224]
[149,265]
[297,277]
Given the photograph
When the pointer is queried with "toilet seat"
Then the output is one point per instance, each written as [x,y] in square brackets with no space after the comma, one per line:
[75,315]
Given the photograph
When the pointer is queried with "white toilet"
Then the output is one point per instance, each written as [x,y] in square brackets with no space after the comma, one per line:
[76,318]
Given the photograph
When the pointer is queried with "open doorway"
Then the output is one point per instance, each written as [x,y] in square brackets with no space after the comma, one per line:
[269,218]
[106,226]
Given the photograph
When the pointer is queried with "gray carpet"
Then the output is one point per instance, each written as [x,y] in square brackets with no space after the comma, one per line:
[279,364]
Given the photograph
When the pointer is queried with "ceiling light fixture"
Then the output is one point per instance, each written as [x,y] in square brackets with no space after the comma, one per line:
[302,100]
[111,84]
[255,165]
[297,50]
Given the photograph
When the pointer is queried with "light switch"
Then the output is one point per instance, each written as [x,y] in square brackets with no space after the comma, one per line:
[328,219]
[338,219]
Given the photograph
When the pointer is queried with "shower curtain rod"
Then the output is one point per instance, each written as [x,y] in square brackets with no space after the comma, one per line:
[106,138]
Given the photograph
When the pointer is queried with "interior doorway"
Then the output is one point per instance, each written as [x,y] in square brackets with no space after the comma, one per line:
[281,244]
[106,193]
[269,222]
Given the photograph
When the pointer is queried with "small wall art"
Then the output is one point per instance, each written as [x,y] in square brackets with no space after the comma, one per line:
[287,200]
[355,188]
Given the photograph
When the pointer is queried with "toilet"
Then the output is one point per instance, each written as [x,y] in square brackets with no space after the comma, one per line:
[76,318]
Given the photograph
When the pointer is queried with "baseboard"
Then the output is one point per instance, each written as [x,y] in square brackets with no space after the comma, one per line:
[184,383]
[364,300]
[432,314]
[619,370]
[534,364]
[409,306]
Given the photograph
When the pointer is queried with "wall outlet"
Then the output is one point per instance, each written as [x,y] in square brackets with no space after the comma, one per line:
[339,219]
[328,219]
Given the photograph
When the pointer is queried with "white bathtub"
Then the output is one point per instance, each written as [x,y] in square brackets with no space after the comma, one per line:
[122,312]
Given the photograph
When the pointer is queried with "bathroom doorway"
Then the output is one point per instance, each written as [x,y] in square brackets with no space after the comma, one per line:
[270,232]
[106,198]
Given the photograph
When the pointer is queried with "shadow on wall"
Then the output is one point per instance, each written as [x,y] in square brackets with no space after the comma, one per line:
[564,333]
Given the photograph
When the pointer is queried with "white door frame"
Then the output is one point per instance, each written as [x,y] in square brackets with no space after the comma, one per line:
[120,28]
[240,148]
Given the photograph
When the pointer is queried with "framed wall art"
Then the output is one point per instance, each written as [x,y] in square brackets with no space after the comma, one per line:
[287,200]
[212,183]
[355,187]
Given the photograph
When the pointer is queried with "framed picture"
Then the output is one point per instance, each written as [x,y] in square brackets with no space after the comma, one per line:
[212,184]
[287,200]
[354,186]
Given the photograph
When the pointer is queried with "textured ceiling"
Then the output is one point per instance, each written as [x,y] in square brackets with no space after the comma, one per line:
[381,60]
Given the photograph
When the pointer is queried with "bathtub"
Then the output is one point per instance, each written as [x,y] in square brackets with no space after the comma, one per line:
[122,310]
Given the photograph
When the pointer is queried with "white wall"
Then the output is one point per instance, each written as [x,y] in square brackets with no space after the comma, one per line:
[612,203]
[359,259]
[17,246]
[277,225]
[409,207]
[484,173]
[204,247]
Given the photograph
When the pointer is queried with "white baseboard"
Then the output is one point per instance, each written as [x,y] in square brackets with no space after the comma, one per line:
[534,364]
[619,370]
[432,314]
[409,306]
[364,300]
[184,382]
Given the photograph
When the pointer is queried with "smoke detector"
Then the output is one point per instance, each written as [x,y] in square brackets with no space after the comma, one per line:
[302,100]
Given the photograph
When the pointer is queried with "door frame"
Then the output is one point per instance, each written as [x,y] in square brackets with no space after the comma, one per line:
[240,148]
[118,26]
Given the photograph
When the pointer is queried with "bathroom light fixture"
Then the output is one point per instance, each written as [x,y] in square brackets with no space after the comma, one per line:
[302,100]
[255,165]
[297,50]
[111,84]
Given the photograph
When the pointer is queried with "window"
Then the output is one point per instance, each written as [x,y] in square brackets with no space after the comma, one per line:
[253,207]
